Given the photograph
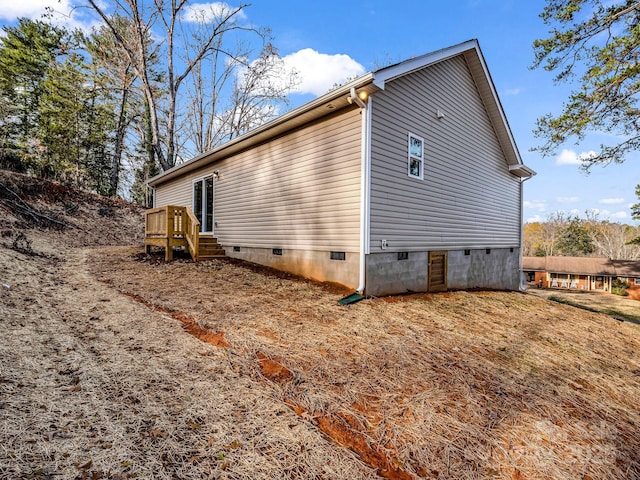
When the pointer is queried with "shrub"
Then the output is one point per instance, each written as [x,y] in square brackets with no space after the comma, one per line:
[619,287]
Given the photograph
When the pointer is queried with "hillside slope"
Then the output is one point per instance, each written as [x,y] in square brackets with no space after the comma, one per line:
[118,365]
[56,216]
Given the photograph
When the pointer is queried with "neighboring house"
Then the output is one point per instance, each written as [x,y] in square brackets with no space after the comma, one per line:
[629,271]
[582,273]
[405,179]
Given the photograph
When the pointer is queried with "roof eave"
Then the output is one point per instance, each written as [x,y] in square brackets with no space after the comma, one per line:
[521,171]
[313,110]
[394,71]
[496,113]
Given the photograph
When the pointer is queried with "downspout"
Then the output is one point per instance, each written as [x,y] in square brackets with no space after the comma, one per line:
[520,261]
[365,181]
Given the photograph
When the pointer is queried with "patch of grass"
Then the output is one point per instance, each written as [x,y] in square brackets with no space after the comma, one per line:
[618,315]
[627,317]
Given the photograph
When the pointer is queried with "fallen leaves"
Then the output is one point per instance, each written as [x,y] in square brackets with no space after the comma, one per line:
[158,433]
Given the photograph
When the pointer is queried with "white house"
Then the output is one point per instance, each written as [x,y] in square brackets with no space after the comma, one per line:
[405,179]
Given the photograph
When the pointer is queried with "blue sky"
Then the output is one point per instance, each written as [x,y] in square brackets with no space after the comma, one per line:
[329,40]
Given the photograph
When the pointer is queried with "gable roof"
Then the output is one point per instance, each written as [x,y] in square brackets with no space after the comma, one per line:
[472,54]
[583,266]
[371,83]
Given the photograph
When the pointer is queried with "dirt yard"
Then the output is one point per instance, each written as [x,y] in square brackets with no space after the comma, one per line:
[116,365]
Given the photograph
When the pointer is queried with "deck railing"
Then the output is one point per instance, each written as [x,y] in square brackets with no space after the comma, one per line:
[192,233]
[172,226]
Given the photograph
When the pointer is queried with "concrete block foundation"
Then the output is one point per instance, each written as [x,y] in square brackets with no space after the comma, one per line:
[317,265]
[496,268]
[389,273]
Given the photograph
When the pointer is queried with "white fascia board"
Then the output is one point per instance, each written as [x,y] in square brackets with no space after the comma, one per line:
[521,171]
[504,123]
[389,73]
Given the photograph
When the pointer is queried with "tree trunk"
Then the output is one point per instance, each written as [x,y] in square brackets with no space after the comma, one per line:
[114,179]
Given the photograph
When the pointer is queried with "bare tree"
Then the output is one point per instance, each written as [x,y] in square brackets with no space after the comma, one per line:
[551,232]
[256,91]
[205,95]
[184,48]
[116,75]
[563,235]
[613,240]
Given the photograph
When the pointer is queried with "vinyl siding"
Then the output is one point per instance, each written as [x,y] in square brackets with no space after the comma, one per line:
[468,198]
[178,192]
[298,191]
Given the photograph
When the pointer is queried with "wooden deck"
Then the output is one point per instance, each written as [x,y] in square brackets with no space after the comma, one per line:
[173,226]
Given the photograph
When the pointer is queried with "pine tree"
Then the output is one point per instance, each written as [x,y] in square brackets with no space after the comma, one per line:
[27,53]
[635,214]
[635,208]
[575,239]
[74,127]
[600,41]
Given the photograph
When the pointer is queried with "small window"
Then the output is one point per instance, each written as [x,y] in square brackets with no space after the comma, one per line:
[236,249]
[636,281]
[338,256]
[403,255]
[511,250]
[416,157]
[277,251]
[467,251]
[488,251]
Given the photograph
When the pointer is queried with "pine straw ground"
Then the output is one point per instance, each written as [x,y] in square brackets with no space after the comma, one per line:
[457,385]
[116,365]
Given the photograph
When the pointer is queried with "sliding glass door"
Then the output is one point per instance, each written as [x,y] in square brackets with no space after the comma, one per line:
[203,203]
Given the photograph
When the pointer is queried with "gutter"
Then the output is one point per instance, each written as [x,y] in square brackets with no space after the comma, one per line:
[265,131]
[364,102]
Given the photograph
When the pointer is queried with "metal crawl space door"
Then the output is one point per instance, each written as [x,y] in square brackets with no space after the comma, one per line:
[437,272]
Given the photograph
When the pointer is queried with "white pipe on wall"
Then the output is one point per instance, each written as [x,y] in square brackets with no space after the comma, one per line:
[365,181]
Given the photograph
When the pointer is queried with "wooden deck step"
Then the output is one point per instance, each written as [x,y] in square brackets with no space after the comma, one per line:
[206,240]
[210,248]
[212,253]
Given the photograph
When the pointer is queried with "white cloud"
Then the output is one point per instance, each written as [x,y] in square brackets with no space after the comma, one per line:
[535,219]
[208,12]
[619,215]
[12,9]
[611,201]
[570,157]
[539,205]
[512,91]
[568,199]
[62,12]
[606,214]
[318,72]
